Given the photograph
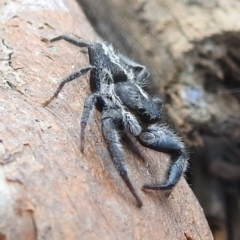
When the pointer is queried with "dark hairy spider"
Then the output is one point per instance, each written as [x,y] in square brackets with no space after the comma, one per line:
[117,85]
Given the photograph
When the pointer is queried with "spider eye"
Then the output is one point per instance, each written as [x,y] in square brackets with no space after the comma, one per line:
[141,110]
[136,96]
[146,115]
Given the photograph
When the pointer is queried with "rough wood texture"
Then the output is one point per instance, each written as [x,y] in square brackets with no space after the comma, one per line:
[48,189]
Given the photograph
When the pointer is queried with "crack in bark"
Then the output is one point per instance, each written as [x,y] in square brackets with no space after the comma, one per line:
[34,225]
[8,69]
[11,52]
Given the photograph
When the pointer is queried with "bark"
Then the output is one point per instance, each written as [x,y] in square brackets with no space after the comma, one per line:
[192,49]
[48,189]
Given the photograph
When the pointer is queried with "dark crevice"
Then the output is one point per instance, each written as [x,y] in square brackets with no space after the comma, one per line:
[10,54]
[215,181]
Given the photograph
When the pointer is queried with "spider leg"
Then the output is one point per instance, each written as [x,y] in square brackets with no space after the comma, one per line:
[87,109]
[71,39]
[140,71]
[69,78]
[110,133]
[161,139]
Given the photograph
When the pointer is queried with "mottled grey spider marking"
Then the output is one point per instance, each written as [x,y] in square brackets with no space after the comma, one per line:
[116,83]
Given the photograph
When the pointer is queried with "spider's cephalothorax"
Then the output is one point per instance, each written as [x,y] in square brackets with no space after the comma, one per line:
[117,91]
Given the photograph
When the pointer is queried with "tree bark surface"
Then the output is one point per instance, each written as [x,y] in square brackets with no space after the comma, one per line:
[48,189]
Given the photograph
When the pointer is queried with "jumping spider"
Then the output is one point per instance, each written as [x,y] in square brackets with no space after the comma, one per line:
[117,84]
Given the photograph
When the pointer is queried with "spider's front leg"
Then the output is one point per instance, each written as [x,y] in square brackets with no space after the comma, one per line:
[110,118]
[160,138]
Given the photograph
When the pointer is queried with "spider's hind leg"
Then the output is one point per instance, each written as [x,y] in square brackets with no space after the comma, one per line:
[69,78]
[110,133]
[141,72]
[161,139]
[72,39]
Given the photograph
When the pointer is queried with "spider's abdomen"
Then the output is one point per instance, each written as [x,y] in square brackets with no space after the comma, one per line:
[109,68]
